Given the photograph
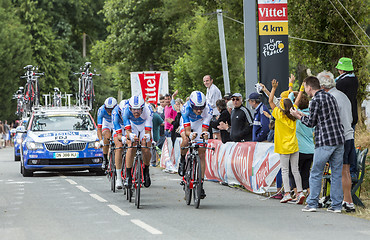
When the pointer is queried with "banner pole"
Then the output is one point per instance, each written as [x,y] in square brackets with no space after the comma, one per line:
[250,47]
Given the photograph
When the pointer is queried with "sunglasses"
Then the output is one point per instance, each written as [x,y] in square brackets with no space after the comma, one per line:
[109,109]
[235,99]
[198,108]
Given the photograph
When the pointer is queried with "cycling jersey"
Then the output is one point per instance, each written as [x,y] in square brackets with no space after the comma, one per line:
[188,116]
[117,121]
[104,119]
[145,118]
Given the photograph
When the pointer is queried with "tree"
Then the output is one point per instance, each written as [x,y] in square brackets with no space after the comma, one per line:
[319,20]
[15,54]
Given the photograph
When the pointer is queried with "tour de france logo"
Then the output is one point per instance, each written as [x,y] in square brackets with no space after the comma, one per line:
[273,47]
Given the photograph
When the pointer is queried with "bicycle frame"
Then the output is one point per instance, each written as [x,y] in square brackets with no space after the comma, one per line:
[192,179]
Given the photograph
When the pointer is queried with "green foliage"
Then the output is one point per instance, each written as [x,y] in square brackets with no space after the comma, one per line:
[318,20]
[15,54]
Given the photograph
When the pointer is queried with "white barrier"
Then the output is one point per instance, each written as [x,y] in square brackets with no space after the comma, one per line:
[251,164]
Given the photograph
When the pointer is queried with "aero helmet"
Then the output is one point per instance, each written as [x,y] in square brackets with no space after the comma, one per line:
[136,102]
[110,103]
[197,100]
[123,104]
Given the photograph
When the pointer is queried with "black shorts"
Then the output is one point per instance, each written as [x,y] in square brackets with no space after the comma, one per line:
[349,156]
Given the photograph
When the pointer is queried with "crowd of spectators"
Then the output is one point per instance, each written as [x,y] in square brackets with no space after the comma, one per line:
[5,135]
[309,128]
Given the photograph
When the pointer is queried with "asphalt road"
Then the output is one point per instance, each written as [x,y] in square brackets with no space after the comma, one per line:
[79,205]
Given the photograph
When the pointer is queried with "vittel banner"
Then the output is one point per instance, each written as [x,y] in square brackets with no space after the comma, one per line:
[273,43]
[149,85]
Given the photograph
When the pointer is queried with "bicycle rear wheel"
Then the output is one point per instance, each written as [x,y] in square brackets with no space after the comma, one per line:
[188,174]
[138,181]
[197,182]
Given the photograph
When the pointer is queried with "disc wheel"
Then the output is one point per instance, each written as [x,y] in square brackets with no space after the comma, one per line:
[138,182]
[197,182]
[188,190]
[112,170]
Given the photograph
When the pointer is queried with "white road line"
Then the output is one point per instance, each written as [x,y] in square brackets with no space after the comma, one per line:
[83,189]
[118,210]
[71,181]
[97,197]
[62,176]
[146,227]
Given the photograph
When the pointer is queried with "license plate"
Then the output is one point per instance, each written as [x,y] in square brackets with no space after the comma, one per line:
[66,155]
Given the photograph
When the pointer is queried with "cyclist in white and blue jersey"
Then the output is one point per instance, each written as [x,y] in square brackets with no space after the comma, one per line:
[195,117]
[105,126]
[137,119]
[119,140]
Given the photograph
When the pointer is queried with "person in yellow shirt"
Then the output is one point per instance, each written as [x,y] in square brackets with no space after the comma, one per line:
[286,143]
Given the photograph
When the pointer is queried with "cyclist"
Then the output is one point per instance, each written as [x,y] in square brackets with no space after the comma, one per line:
[195,117]
[105,126]
[137,118]
[118,139]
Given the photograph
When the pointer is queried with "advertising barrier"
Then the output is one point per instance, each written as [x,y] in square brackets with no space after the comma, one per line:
[251,164]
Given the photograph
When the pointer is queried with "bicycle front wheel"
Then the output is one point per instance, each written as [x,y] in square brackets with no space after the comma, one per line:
[197,182]
[138,181]
[188,174]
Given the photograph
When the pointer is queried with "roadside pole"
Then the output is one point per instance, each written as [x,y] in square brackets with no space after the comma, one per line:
[221,34]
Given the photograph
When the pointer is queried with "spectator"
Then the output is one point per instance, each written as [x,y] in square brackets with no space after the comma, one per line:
[170,114]
[157,122]
[286,143]
[241,121]
[213,94]
[160,108]
[176,122]
[306,145]
[229,106]
[224,117]
[261,122]
[1,134]
[347,82]
[162,137]
[227,97]
[6,134]
[329,140]
[344,106]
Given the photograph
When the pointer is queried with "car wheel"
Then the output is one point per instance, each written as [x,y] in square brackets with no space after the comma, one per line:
[25,172]
[17,158]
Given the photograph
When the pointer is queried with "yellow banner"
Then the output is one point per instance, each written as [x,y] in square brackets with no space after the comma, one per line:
[273,28]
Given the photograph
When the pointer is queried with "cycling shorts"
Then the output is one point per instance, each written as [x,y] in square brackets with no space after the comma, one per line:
[107,125]
[139,130]
[123,132]
[195,127]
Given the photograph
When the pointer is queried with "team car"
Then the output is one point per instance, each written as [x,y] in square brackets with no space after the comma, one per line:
[18,138]
[61,138]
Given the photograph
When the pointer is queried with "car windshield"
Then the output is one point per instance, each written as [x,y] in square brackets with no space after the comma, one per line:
[62,123]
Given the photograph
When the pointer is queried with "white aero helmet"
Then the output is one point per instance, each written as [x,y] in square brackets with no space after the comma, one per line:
[123,104]
[110,103]
[136,102]
[197,100]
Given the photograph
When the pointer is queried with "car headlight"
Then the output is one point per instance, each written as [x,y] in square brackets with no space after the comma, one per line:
[93,144]
[34,146]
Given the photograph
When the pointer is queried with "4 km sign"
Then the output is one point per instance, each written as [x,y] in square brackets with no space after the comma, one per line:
[273,42]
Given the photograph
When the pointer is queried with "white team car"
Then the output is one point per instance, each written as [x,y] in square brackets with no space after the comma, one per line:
[61,138]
